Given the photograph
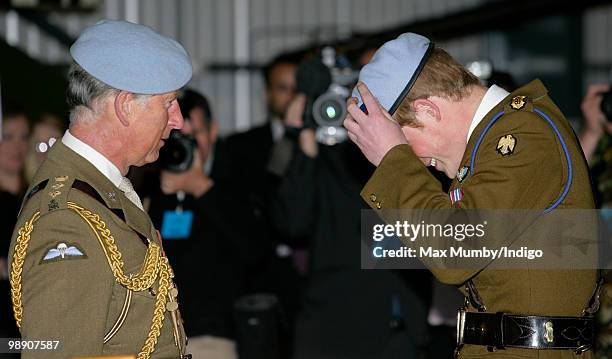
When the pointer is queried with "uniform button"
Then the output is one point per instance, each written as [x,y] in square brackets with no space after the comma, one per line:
[171,306]
[373,197]
[378,205]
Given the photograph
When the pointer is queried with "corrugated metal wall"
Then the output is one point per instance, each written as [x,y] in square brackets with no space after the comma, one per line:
[215,31]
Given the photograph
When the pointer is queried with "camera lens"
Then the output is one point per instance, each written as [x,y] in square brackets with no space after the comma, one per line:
[329,110]
[177,154]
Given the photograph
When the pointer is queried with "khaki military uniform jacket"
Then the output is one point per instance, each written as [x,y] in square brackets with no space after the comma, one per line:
[75,297]
[531,177]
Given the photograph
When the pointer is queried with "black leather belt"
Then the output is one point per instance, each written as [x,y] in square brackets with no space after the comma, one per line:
[500,330]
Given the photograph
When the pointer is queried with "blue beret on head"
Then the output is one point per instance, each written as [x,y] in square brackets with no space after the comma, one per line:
[394,69]
[132,57]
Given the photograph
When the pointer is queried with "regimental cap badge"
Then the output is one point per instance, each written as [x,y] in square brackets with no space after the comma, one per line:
[518,102]
[506,145]
[462,173]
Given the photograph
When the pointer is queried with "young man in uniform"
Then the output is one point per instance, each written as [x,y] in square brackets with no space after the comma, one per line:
[415,106]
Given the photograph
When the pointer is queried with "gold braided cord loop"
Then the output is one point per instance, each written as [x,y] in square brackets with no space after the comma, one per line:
[165,275]
[21,247]
[142,280]
[154,266]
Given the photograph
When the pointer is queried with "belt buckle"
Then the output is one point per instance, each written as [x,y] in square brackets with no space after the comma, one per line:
[460,326]
[581,349]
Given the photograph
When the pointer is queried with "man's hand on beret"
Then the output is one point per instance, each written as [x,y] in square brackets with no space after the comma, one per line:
[374,133]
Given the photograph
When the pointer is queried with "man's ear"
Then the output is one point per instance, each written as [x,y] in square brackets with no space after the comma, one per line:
[124,102]
[426,110]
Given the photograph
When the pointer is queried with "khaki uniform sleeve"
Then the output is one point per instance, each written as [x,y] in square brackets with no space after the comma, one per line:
[530,178]
[65,299]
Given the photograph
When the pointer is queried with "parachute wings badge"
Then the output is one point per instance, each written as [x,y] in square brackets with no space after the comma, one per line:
[63,251]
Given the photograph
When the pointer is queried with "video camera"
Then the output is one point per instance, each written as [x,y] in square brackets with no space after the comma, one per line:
[326,81]
[177,154]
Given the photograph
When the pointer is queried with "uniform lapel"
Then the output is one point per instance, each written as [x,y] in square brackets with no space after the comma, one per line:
[137,219]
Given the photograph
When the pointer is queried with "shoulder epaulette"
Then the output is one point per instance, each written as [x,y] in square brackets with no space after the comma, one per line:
[53,193]
[54,196]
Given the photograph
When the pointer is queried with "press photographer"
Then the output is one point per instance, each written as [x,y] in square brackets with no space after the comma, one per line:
[247,156]
[210,235]
[597,112]
[596,140]
[318,199]
[188,156]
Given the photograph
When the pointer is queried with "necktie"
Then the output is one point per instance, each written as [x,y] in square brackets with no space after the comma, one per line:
[126,186]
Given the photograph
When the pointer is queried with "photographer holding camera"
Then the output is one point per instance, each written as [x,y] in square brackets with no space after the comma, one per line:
[318,200]
[200,131]
[209,233]
[596,141]
[596,124]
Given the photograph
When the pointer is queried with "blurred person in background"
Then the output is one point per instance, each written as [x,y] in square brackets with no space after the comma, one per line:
[249,152]
[595,134]
[45,131]
[13,150]
[318,199]
[210,235]
[248,155]
[596,141]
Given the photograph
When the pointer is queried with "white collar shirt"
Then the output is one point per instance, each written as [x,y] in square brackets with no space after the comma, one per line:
[492,98]
[103,164]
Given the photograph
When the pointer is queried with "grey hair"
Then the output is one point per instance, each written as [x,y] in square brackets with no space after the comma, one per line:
[85,92]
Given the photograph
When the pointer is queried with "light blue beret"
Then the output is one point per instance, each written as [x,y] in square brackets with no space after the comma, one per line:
[393,69]
[132,57]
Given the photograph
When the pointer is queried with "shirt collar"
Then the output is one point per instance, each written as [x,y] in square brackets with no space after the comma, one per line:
[106,167]
[278,129]
[492,97]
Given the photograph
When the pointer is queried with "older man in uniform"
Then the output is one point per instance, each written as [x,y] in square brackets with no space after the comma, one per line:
[415,107]
[86,265]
